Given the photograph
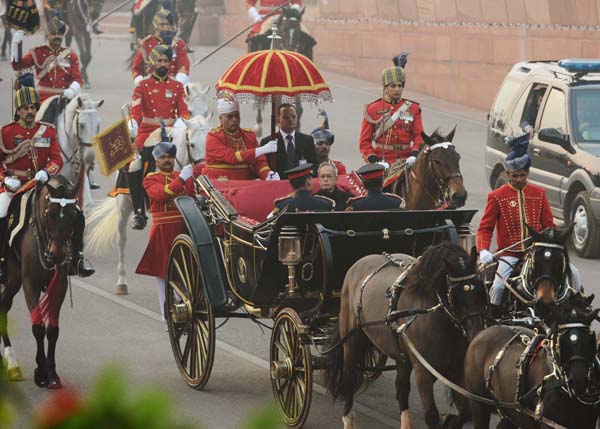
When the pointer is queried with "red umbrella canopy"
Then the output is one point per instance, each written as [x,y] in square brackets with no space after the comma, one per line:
[260,75]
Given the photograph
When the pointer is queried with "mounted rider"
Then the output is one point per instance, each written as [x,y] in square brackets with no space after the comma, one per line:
[56,68]
[509,210]
[392,126]
[29,153]
[156,99]
[257,9]
[179,66]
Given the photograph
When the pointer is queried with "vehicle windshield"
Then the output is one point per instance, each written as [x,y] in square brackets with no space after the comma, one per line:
[587,114]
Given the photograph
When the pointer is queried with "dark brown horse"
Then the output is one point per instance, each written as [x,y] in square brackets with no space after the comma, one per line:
[443,280]
[435,179]
[509,364]
[38,260]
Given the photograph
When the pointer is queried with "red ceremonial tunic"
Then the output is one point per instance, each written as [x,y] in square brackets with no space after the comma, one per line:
[37,149]
[54,70]
[180,63]
[233,156]
[167,223]
[400,140]
[156,98]
[341,168]
[265,7]
[509,210]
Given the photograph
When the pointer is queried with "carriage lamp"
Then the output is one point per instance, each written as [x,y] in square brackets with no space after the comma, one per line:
[466,237]
[290,253]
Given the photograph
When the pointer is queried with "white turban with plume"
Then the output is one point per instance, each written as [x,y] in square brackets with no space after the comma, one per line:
[227,105]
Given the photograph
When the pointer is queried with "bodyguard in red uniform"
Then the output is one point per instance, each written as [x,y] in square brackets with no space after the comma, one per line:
[162,188]
[232,153]
[392,125]
[179,65]
[56,68]
[324,138]
[257,9]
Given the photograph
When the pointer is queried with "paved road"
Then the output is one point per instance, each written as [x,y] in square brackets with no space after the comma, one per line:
[102,328]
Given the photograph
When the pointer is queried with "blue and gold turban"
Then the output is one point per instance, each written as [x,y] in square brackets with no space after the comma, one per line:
[164,148]
[396,74]
[162,14]
[158,51]
[55,25]
[26,96]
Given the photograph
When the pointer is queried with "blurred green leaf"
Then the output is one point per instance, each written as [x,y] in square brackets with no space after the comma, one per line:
[264,418]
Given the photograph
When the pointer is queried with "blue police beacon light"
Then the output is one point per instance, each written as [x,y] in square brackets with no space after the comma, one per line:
[580,66]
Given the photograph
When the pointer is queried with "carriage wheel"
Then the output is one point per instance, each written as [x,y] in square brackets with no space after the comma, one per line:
[291,369]
[190,319]
[373,358]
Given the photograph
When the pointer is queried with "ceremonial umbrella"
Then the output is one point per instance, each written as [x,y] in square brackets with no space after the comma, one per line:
[274,76]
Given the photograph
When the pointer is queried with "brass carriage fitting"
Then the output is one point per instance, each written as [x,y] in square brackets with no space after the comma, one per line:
[282,369]
[466,237]
[180,313]
[290,253]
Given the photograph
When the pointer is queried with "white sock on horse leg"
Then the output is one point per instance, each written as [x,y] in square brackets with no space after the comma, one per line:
[160,291]
[349,421]
[11,359]
[405,422]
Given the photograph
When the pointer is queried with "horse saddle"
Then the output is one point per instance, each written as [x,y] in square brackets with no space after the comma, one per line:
[19,213]
[51,109]
[396,178]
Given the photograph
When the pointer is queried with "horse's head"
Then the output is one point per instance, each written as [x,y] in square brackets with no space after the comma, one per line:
[547,264]
[575,347]
[94,7]
[442,160]
[196,97]
[87,119]
[464,296]
[289,25]
[55,216]
[191,145]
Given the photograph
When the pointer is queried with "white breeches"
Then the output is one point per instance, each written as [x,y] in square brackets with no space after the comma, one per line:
[160,291]
[5,198]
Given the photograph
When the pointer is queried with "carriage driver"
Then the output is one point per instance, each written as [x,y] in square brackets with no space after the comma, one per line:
[156,98]
[56,68]
[392,126]
[179,64]
[162,188]
[29,153]
[509,209]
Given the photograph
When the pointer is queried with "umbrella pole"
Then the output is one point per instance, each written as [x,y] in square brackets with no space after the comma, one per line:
[273,120]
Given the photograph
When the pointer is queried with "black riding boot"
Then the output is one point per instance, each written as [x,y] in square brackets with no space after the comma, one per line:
[80,266]
[3,247]
[138,198]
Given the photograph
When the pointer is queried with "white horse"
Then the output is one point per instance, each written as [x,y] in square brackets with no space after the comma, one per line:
[75,127]
[196,97]
[112,215]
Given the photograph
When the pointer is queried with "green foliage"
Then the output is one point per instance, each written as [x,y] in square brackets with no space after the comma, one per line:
[265,418]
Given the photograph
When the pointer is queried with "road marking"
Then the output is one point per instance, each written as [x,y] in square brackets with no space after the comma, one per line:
[241,354]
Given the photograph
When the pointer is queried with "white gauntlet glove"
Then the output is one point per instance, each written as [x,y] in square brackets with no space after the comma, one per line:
[253,15]
[41,176]
[273,175]
[410,161]
[485,257]
[133,128]
[12,184]
[17,38]
[270,147]
[72,91]
[183,78]
[137,80]
[385,164]
[186,172]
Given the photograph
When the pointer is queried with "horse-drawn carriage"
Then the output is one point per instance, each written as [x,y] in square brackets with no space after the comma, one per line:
[289,268]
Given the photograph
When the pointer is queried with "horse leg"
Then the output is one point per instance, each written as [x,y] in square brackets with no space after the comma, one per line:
[425,382]
[7,295]
[40,374]
[125,210]
[354,351]
[481,416]
[52,334]
[403,371]
[86,54]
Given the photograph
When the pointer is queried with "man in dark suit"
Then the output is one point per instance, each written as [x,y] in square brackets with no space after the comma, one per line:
[293,147]
[328,175]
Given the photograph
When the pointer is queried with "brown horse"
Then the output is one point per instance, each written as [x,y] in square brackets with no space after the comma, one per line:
[38,260]
[435,179]
[513,364]
[445,281]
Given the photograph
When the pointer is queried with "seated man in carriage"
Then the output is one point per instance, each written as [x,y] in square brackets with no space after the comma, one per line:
[56,68]
[328,175]
[156,99]
[179,65]
[372,178]
[302,199]
[511,209]
[392,126]
[29,153]
[232,152]
[162,188]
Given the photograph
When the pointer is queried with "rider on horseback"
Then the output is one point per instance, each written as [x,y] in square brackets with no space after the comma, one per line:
[179,66]
[391,128]
[257,9]
[56,68]
[511,208]
[29,153]
[156,99]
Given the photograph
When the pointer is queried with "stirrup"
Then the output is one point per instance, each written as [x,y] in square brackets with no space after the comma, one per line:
[139,222]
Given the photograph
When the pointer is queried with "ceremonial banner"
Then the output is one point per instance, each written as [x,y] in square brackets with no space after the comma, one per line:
[23,15]
[113,147]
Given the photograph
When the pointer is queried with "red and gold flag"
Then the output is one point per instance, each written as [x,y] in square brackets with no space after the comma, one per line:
[113,147]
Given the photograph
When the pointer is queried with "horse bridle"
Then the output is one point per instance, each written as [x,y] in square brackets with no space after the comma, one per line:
[188,148]
[71,157]
[448,305]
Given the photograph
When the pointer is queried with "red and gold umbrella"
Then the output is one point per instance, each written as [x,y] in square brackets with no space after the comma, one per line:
[264,75]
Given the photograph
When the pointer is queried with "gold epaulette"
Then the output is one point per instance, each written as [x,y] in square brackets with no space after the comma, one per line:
[216,130]
[412,101]
[358,197]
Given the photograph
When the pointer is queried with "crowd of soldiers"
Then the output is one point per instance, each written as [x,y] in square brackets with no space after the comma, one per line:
[391,129]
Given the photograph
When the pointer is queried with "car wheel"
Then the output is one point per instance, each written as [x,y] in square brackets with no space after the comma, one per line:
[586,231]
[501,180]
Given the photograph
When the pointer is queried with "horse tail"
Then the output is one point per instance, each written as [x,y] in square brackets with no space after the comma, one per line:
[103,235]
[333,375]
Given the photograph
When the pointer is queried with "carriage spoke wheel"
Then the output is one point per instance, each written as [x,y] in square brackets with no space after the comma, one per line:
[373,359]
[189,315]
[291,369]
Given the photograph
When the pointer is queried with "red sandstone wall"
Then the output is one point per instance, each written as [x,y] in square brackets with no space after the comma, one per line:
[460,49]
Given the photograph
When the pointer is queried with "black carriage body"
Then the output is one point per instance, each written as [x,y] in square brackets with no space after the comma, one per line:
[330,242]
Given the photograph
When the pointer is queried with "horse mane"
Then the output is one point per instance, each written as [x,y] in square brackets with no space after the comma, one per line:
[430,271]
